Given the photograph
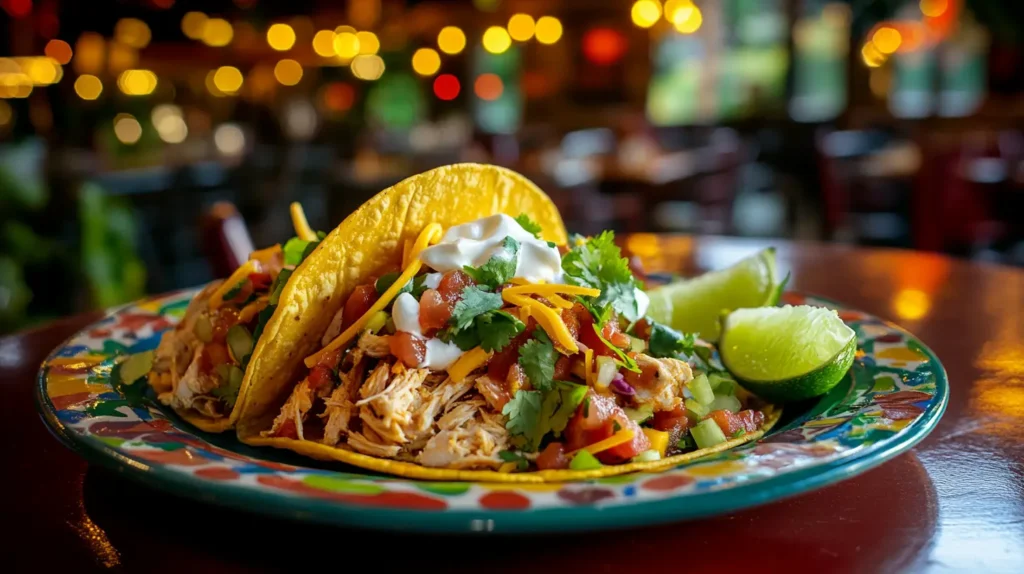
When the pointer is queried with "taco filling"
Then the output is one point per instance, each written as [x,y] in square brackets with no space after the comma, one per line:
[199,365]
[494,349]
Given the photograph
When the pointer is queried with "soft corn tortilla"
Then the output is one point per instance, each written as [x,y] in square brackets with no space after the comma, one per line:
[413,470]
[369,240]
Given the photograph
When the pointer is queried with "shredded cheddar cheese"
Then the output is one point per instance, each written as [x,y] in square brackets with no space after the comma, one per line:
[507,467]
[548,289]
[548,319]
[431,234]
[558,301]
[468,362]
[588,365]
[621,437]
[300,224]
[252,309]
[217,299]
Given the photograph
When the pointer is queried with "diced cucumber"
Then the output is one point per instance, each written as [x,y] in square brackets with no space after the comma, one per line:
[707,434]
[726,403]
[377,321]
[647,456]
[583,460]
[640,414]
[637,344]
[223,372]
[701,390]
[694,410]
[721,384]
[203,329]
[239,343]
[235,376]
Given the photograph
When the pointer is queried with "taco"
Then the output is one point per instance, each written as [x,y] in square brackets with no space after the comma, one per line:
[201,366]
[450,329]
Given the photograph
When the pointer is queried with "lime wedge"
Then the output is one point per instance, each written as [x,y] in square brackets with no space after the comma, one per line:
[696,305]
[788,353]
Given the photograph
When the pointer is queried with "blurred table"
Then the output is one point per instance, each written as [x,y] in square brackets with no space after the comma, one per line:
[953,503]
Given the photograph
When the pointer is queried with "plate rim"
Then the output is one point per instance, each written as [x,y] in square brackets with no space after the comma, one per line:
[579,518]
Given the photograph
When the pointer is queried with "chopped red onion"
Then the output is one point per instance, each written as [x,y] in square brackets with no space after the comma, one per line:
[620,386]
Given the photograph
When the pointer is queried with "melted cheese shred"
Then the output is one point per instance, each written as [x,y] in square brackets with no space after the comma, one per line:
[299,222]
[430,235]
[469,362]
[621,437]
[549,319]
[243,271]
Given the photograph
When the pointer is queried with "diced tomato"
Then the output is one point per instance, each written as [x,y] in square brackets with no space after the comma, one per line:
[214,354]
[598,418]
[642,329]
[729,422]
[610,331]
[288,430]
[562,368]
[260,281]
[553,457]
[498,367]
[222,320]
[330,360]
[613,335]
[516,379]
[320,377]
[572,321]
[670,420]
[359,302]
[451,285]
[409,349]
[434,311]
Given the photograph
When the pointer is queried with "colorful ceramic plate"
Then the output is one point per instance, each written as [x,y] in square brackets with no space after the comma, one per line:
[892,397]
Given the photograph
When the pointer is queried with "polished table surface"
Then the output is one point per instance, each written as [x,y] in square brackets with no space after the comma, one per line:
[953,503]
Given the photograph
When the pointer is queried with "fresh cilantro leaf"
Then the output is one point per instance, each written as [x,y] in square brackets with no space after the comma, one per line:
[385,281]
[416,286]
[667,342]
[537,358]
[261,322]
[598,263]
[739,433]
[703,359]
[228,392]
[600,314]
[560,403]
[234,291]
[496,329]
[500,267]
[522,463]
[294,250]
[586,407]
[523,413]
[465,339]
[278,286]
[528,224]
[624,361]
[686,442]
[616,427]
[475,301]
[552,244]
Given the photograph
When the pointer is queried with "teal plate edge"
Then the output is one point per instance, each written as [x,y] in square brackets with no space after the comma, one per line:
[575,516]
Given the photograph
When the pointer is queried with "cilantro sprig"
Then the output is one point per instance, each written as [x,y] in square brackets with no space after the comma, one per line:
[529,225]
[478,320]
[499,268]
[537,358]
[667,342]
[598,263]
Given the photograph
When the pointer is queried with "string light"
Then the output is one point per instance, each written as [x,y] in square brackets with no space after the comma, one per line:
[281,37]
[646,13]
[132,32]
[169,123]
[521,27]
[369,44]
[288,72]
[59,50]
[88,87]
[446,87]
[426,62]
[193,24]
[217,32]
[346,45]
[451,40]
[672,8]
[688,19]
[228,79]
[137,82]
[229,139]
[934,8]
[90,51]
[488,87]
[368,67]
[548,30]
[127,129]
[496,40]
[886,39]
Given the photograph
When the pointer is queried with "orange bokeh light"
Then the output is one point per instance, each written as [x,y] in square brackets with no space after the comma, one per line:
[447,87]
[488,87]
[604,46]
[58,50]
[339,96]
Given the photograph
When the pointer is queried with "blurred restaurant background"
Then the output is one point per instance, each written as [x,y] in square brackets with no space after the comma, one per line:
[127,124]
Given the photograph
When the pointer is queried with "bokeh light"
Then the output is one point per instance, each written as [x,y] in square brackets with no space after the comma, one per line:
[672,7]
[338,96]
[281,37]
[451,40]
[688,19]
[426,61]
[488,87]
[90,52]
[369,44]
[121,57]
[346,45]
[229,139]
[193,24]
[88,87]
[368,67]
[41,71]
[17,8]
[288,72]
[6,113]
[548,30]
[132,32]
[323,44]
[137,82]
[59,50]
[447,87]
[169,123]
[228,79]
[934,8]
[521,27]
[646,13]
[886,39]
[871,56]
[603,46]
[217,32]
[496,40]
[15,85]
[127,129]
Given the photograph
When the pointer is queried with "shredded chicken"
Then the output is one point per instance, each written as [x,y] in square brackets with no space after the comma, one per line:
[496,392]
[376,382]
[375,346]
[178,345]
[294,410]
[341,404]
[191,385]
[665,390]
[475,443]
[362,444]
[391,413]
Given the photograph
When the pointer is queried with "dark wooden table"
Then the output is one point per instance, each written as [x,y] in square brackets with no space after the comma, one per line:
[953,503]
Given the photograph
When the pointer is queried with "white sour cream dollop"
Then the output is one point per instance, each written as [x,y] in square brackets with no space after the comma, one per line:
[406,315]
